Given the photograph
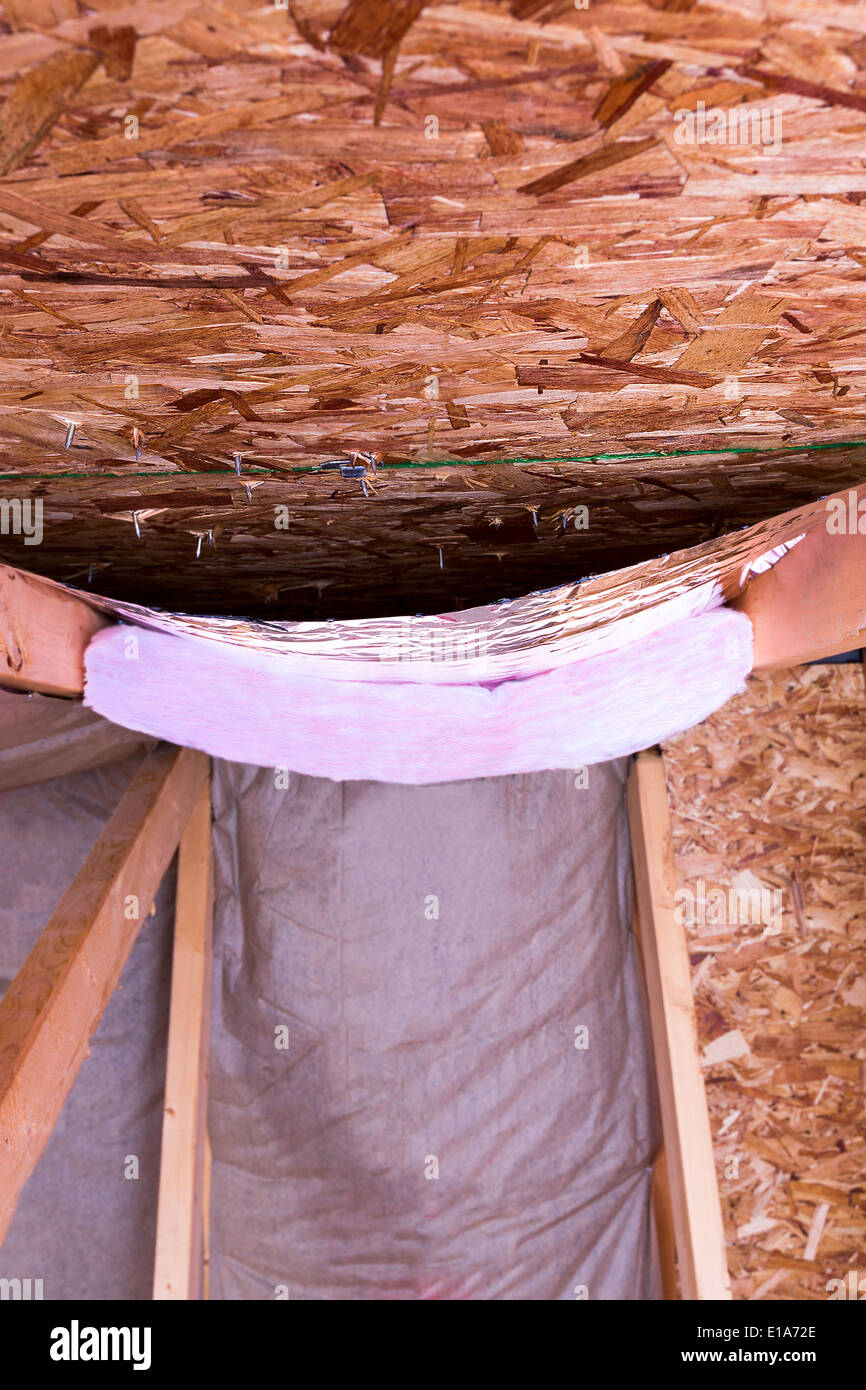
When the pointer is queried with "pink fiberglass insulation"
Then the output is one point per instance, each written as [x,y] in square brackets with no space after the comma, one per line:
[246,706]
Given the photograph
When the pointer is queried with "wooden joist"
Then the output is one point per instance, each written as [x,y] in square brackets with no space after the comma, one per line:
[55,1002]
[43,635]
[812,603]
[181,1214]
[687,1141]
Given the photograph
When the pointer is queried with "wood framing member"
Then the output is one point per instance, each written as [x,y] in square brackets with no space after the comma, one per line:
[664,1223]
[180,1214]
[55,1002]
[44,633]
[687,1141]
[812,603]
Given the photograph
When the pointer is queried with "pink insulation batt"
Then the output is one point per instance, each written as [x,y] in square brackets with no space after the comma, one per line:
[252,707]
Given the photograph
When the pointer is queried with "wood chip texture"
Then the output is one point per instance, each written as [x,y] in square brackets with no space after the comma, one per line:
[459,235]
[768,802]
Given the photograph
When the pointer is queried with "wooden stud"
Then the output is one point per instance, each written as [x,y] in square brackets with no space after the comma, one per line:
[688,1148]
[662,1208]
[182,1177]
[44,632]
[206,1181]
[664,1223]
[54,1004]
[812,603]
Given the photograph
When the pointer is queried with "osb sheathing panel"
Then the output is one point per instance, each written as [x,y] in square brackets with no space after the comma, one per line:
[457,539]
[444,232]
[532,633]
[771,792]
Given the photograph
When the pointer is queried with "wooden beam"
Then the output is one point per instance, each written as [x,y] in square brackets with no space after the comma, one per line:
[662,1206]
[664,1220]
[206,1182]
[55,1002]
[812,603]
[180,1214]
[688,1146]
[43,634]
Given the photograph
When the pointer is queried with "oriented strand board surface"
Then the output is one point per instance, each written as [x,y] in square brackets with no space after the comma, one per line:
[771,792]
[447,232]
[431,540]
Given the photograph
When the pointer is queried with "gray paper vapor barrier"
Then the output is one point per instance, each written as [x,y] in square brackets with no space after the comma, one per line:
[430,1072]
[86,1221]
[440,1125]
